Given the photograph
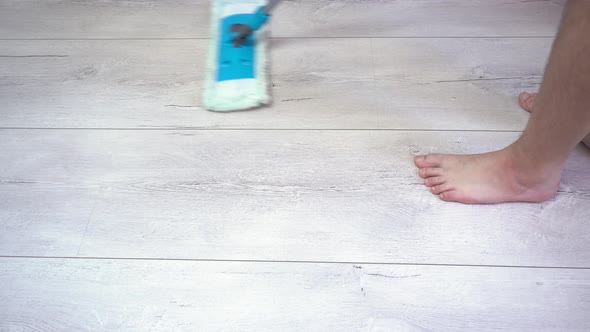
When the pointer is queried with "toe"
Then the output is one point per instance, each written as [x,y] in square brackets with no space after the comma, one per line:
[431,160]
[449,196]
[441,188]
[434,181]
[526,100]
[427,172]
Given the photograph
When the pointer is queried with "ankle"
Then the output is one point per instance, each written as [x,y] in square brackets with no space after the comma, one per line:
[529,174]
[523,162]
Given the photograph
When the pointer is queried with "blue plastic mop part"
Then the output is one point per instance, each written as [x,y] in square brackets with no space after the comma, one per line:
[237,66]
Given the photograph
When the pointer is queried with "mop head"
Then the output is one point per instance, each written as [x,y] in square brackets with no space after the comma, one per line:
[236,76]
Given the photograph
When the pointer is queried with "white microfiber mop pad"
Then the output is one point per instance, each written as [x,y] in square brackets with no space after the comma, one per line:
[235,94]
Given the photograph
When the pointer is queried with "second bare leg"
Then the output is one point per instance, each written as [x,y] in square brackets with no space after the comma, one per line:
[527,102]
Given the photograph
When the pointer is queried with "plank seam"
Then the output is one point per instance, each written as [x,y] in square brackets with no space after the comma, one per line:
[286,37]
[292,262]
[87,224]
[264,129]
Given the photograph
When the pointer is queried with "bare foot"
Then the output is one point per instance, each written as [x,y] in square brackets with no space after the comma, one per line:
[494,177]
[527,100]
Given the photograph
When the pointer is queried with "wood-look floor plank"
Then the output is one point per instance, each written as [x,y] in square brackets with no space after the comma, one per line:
[282,195]
[410,18]
[51,19]
[48,215]
[458,84]
[107,295]
[48,220]
[308,18]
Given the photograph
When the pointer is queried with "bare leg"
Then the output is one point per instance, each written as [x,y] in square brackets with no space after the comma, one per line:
[527,101]
[529,169]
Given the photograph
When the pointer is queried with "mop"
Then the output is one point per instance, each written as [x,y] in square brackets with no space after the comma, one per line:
[236,76]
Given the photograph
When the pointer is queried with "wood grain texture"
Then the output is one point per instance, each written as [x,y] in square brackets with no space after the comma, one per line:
[101,172]
[72,19]
[284,195]
[456,84]
[411,18]
[48,219]
[107,295]
[50,19]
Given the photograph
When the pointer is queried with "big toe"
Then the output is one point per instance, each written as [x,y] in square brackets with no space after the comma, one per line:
[451,196]
[527,100]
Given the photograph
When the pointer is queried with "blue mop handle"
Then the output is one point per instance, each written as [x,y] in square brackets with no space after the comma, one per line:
[262,14]
[259,18]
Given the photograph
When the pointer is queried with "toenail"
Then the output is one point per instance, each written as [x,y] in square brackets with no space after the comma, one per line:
[420,158]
